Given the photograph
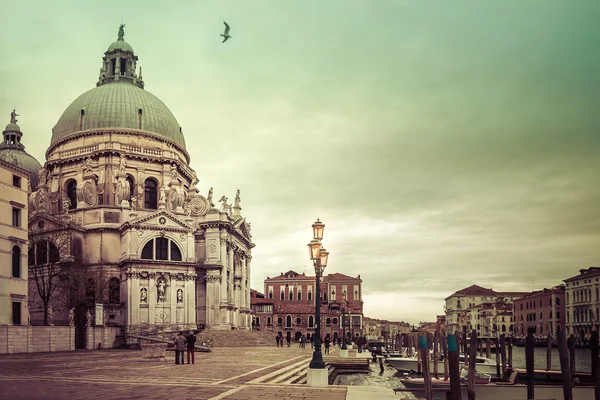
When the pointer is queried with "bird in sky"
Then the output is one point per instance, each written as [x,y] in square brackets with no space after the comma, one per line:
[226,34]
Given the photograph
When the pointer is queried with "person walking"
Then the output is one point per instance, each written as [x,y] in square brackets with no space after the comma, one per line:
[191,346]
[303,341]
[179,347]
[327,343]
[281,339]
[288,339]
[277,340]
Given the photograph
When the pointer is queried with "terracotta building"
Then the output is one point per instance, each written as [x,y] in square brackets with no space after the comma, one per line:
[292,297]
[542,311]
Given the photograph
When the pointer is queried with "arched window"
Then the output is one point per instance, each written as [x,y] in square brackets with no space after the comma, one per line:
[299,295]
[279,321]
[309,295]
[268,320]
[288,321]
[298,321]
[114,291]
[324,296]
[291,296]
[270,295]
[150,194]
[311,321]
[282,296]
[16,262]
[160,249]
[72,193]
[327,321]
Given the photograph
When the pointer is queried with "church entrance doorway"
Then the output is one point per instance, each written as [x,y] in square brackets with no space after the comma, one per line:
[297,336]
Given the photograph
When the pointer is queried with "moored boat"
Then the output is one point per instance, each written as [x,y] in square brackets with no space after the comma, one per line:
[407,364]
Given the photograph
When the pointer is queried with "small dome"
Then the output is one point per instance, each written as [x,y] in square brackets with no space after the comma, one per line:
[121,45]
[22,159]
[118,105]
[13,128]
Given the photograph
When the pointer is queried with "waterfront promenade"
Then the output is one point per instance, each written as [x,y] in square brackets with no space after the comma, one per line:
[225,373]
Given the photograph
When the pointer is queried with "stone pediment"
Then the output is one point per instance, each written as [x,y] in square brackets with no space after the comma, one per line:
[160,220]
[46,222]
[244,228]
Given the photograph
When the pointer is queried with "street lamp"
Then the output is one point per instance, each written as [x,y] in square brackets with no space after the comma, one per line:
[319,257]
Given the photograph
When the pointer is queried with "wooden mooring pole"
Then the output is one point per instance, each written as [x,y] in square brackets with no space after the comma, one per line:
[563,355]
[445,353]
[454,368]
[571,344]
[497,357]
[424,351]
[503,352]
[488,348]
[549,352]
[529,363]
[595,360]
[436,355]
[472,360]
[510,349]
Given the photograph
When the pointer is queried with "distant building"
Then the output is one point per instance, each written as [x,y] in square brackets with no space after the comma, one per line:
[292,296]
[582,302]
[428,327]
[441,322]
[458,304]
[13,244]
[491,320]
[542,311]
[381,329]
[262,311]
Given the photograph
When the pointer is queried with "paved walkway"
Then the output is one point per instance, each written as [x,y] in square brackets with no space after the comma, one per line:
[225,373]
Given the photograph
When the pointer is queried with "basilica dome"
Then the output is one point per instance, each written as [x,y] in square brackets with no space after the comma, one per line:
[119,102]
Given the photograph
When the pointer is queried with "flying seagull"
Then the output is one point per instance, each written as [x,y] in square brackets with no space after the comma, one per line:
[226,34]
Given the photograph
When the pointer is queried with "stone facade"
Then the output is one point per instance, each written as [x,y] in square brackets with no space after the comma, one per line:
[458,304]
[118,178]
[582,294]
[13,245]
[542,311]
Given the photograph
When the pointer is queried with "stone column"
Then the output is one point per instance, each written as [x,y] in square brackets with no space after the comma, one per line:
[190,301]
[243,305]
[223,271]
[247,293]
[230,298]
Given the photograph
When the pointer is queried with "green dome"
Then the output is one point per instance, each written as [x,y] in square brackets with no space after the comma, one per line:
[121,45]
[22,159]
[117,105]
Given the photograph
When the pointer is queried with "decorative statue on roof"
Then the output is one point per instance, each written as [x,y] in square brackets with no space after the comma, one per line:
[210,196]
[42,177]
[88,165]
[237,198]
[194,178]
[13,117]
[66,205]
[121,31]
[224,206]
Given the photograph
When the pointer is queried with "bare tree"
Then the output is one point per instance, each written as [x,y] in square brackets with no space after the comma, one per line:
[49,251]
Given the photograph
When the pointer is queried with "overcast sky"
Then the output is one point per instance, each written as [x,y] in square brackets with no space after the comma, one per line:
[443,144]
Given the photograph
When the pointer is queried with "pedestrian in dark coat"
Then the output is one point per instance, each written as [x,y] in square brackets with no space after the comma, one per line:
[191,345]
[277,340]
[327,343]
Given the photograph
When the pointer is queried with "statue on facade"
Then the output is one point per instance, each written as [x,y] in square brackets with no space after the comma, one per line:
[88,318]
[161,290]
[88,166]
[133,203]
[28,315]
[122,164]
[187,207]
[210,196]
[66,204]
[121,31]
[173,171]
[13,117]
[163,195]
[42,177]
[50,317]
[194,178]
[72,317]
[144,296]
[104,318]
[180,295]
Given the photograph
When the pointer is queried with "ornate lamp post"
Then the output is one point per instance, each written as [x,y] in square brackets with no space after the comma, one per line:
[317,373]
[344,347]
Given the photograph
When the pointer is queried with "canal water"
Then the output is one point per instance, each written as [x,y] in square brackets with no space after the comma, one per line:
[391,378]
